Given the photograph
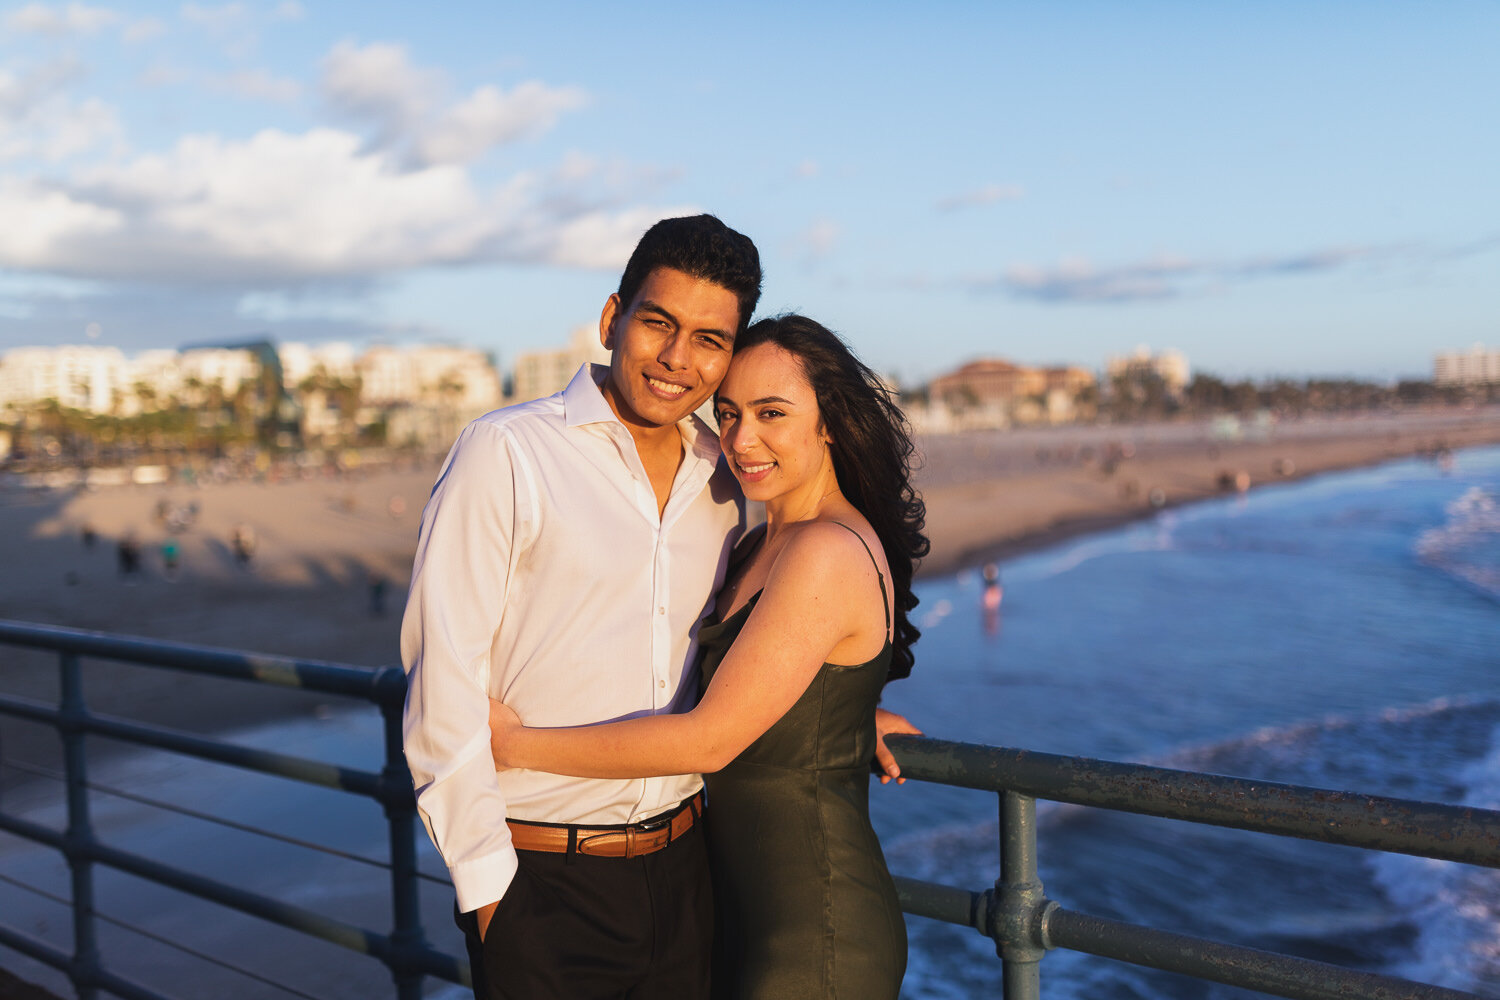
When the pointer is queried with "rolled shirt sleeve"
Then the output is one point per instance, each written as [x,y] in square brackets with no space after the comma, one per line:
[457,598]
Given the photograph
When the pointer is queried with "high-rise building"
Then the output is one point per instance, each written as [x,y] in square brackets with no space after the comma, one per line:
[78,377]
[1171,367]
[541,373]
[1477,366]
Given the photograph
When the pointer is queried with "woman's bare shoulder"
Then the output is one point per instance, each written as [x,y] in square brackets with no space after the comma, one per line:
[823,550]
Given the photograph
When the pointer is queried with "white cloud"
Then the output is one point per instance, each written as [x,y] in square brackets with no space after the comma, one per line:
[71,19]
[284,210]
[289,10]
[39,121]
[234,26]
[162,74]
[278,307]
[21,94]
[144,30]
[987,195]
[218,20]
[490,117]
[598,239]
[37,219]
[259,85]
[817,240]
[378,85]
[1076,280]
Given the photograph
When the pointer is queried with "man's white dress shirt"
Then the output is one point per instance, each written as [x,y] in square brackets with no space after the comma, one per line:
[545,578]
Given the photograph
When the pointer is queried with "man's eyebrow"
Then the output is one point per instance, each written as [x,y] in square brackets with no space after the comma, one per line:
[649,305]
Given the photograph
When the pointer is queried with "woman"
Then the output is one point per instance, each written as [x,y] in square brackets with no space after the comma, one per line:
[811,624]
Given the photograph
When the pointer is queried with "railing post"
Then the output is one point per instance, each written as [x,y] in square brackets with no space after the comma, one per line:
[399,802]
[1019,903]
[80,836]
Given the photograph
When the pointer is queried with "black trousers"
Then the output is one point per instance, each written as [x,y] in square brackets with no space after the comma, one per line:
[576,927]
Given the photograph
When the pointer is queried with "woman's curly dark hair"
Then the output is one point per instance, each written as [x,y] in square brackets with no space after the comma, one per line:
[872,451]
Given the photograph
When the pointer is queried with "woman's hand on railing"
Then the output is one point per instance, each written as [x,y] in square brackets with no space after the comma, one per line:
[887,724]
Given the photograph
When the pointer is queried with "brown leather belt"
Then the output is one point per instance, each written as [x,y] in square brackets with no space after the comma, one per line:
[631,841]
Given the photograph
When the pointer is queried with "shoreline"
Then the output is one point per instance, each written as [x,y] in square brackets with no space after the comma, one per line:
[309,592]
[987,502]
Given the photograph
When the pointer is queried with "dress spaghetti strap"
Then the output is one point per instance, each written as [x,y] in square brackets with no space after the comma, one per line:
[885,602]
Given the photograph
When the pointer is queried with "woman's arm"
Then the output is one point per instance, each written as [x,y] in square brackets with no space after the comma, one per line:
[821,591]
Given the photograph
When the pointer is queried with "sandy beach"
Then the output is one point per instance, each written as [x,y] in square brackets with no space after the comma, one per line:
[323,541]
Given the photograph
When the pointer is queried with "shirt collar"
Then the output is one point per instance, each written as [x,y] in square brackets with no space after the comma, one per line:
[584,403]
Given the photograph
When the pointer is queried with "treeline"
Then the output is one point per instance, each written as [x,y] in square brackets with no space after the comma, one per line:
[1208,395]
[203,421]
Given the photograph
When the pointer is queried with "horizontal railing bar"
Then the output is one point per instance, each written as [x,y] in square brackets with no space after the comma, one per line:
[314,924]
[348,936]
[32,831]
[165,942]
[265,761]
[311,675]
[1248,968]
[1404,826]
[228,824]
[63,962]
[29,708]
[943,902]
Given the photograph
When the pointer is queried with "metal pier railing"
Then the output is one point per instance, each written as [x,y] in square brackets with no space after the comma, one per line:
[403,948]
[1024,924]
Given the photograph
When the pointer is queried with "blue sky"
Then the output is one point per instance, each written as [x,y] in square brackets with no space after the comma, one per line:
[1271,188]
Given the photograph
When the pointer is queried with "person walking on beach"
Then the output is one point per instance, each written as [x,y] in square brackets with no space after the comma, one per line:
[128,554]
[243,543]
[568,550]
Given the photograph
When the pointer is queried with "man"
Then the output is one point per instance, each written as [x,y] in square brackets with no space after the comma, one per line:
[568,551]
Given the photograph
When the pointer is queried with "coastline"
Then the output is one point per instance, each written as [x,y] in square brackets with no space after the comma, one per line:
[993,495]
[323,542]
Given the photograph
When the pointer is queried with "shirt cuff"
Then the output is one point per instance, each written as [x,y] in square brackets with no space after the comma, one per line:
[483,880]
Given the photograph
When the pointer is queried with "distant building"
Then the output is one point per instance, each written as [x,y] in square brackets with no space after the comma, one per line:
[150,381]
[225,369]
[541,373]
[426,394]
[1476,366]
[986,383]
[78,377]
[992,392]
[457,377]
[300,362]
[1170,367]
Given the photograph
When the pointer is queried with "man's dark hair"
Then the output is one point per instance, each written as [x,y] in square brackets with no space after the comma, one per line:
[699,246]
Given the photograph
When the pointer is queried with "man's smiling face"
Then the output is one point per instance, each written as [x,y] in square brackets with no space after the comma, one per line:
[670,347]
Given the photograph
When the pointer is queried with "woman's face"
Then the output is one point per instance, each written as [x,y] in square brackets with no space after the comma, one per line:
[769,425]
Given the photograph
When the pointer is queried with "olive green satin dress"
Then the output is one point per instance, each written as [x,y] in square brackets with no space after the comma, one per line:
[806,906]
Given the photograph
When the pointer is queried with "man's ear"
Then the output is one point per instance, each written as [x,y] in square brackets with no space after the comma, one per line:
[607,320]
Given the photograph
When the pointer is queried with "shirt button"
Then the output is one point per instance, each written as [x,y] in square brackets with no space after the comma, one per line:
[661,610]
[661,684]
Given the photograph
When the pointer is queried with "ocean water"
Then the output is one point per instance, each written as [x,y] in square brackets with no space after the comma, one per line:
[1342,632]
